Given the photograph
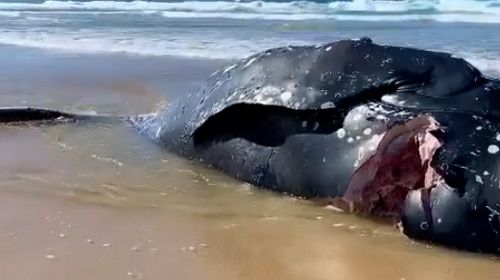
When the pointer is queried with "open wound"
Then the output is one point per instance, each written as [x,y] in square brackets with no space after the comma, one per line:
[401,164]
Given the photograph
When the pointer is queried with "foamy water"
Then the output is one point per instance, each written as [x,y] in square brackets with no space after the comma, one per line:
[382,7]
[235,29]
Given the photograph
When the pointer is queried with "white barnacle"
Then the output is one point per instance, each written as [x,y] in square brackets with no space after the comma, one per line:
[486,173]
[479,180]
[259,97]
[285,96]
[268,101]
[350,140]
[361,152]
[424,225]
[341,133]
[268,90]
[367,131]
[327,105]
[493,149]
[498,137]
[357,117]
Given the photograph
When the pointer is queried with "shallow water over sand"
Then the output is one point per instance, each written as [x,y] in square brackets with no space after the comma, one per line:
[102,202]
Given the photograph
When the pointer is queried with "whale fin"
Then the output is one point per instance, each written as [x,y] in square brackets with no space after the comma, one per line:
[17,115]
[266,125]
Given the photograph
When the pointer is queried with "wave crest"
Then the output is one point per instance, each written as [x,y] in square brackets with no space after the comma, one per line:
[300,7]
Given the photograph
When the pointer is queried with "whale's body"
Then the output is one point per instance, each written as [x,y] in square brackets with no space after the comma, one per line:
[401,133]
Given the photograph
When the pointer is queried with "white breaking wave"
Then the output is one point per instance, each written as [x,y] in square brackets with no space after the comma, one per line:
[187,46]
[451,17]
[83,42]
[10,14]
[441,10]
[489,66]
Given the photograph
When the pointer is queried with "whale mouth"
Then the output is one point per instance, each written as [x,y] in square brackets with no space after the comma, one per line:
[400,165]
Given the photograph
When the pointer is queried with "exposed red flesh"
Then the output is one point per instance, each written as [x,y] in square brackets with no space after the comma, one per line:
[401,163]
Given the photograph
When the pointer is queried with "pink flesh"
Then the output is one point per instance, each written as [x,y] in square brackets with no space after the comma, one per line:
[401,164]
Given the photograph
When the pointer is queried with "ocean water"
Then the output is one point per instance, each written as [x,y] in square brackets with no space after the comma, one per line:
[235,29]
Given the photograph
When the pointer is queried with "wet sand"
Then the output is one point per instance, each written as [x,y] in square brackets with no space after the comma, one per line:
[101,202]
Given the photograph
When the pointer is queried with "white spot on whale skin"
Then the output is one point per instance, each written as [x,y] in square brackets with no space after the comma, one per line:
[486,173]
[250,62]
[498,137]
[493,149]
[341,133]
[367,131]
[258,97]
[316,125]
[479,128]
[304,123]
[268,91]
[327,105]
[328,48]
[361,153]
[285,96]
[229,68]
[479,180]
[474,154]
[357,117]
[158,131]
[350,140]
[268,101]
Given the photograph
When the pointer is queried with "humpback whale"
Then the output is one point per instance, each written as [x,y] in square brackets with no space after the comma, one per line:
[404,134]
